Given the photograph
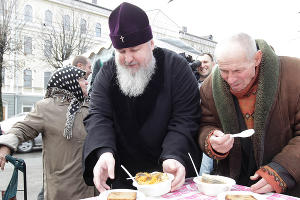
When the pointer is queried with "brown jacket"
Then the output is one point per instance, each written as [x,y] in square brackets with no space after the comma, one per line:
[61,157]
[276,119]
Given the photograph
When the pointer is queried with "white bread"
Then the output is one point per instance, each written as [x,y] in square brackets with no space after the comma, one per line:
[122,196]
[239,197]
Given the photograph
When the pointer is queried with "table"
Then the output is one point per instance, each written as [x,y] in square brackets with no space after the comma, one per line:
[189,191]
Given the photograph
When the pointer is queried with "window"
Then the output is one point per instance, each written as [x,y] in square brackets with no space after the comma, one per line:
[98,30]
[27,45]
[28,13]
[94,1]
[83,50]
[66,22]
[3,73]
[48,18]
[67,50]
[2,6]
[47,48]
[26,108]
[27,78]
[47,76]
[83,26]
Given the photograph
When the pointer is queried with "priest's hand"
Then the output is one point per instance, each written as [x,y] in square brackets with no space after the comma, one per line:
[262,186]
[4,150]
[177,169]
[221,142]
[104,169]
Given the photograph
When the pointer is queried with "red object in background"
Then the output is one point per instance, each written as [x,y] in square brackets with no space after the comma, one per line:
[2,195]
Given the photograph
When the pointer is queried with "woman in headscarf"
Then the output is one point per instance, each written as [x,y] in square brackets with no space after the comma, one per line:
[59,117]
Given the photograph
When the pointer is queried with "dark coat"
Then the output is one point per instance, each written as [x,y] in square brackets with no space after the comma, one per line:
[276,116]
[141,132]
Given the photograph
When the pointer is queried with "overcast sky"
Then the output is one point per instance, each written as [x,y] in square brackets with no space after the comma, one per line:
[276,21]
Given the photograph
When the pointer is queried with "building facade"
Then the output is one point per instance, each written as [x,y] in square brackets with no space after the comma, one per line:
[26,73]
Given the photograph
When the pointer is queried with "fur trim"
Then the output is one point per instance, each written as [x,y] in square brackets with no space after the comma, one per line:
[54,90]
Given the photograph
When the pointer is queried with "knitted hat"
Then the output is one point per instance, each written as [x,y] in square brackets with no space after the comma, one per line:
[129,26]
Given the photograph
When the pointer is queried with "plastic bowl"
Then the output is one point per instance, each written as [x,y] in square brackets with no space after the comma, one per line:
[210,189]
[156,189]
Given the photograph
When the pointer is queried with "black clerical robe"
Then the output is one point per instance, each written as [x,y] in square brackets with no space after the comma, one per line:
[142,131]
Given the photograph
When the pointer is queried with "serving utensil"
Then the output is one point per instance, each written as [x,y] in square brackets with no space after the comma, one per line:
[131,177]
[193,164]
[245,133]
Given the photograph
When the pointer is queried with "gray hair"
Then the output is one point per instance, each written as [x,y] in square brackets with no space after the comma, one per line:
[243,40]
[80,59]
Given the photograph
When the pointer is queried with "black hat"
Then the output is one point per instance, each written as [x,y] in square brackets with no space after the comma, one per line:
[129,26]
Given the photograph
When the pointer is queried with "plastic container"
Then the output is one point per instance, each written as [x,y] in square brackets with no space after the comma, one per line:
[156,189]
[212,189]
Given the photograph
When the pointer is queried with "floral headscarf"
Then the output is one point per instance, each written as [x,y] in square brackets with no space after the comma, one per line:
[65,81]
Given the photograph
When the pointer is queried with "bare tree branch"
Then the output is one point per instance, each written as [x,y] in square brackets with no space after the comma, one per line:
[9,29]
[65,38]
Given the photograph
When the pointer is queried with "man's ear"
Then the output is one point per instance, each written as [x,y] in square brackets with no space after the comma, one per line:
[258,57]
[152,44]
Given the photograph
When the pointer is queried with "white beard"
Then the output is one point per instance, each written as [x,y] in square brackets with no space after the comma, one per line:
[134,84]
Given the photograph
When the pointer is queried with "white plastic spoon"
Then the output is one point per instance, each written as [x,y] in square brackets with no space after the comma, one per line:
[131,177]
[245,133]
[193,164]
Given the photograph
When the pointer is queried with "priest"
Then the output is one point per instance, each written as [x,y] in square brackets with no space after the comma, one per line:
[144,109]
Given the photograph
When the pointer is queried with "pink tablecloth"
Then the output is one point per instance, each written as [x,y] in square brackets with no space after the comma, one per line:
[189,191]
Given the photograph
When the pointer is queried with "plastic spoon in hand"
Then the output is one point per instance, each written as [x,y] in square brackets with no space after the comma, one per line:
[193,164]
[131,177]
[243,134]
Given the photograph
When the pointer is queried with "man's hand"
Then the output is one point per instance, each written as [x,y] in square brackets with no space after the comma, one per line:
[177,169]
[261,186]
[220,142]
[4,150]
[104,169]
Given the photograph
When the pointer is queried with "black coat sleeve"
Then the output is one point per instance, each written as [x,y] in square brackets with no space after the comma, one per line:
[99,122]
[184,121]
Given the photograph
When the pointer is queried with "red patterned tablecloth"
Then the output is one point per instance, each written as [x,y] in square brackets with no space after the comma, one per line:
[189,191]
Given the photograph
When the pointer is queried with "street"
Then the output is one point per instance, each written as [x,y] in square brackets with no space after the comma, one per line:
[34,170]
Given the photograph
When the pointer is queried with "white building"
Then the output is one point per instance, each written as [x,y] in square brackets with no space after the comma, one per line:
[26,74]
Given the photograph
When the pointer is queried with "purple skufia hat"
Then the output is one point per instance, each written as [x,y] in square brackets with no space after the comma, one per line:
[129,26]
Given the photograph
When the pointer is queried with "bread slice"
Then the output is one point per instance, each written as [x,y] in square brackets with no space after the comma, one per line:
[122,196]
[239,197]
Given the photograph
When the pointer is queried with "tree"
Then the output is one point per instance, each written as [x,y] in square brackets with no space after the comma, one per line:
[64,38]
[8,40]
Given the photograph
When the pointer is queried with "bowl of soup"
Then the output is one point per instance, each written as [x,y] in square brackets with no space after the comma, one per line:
[212,185]
[153,184]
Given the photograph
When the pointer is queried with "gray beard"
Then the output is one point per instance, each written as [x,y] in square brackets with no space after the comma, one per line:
[133,85]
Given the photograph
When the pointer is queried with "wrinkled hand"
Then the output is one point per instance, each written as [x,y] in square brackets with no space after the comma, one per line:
[104,169]
[221,142]
[261,186]
[177,169]
[4,150]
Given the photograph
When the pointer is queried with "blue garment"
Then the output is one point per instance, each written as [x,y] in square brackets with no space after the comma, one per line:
[207,165]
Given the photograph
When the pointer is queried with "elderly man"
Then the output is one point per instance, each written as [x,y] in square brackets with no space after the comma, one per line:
[144,110]
[83,63]
[207,63]
[253,88]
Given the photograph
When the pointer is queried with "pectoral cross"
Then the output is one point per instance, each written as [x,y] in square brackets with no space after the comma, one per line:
[122,38]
